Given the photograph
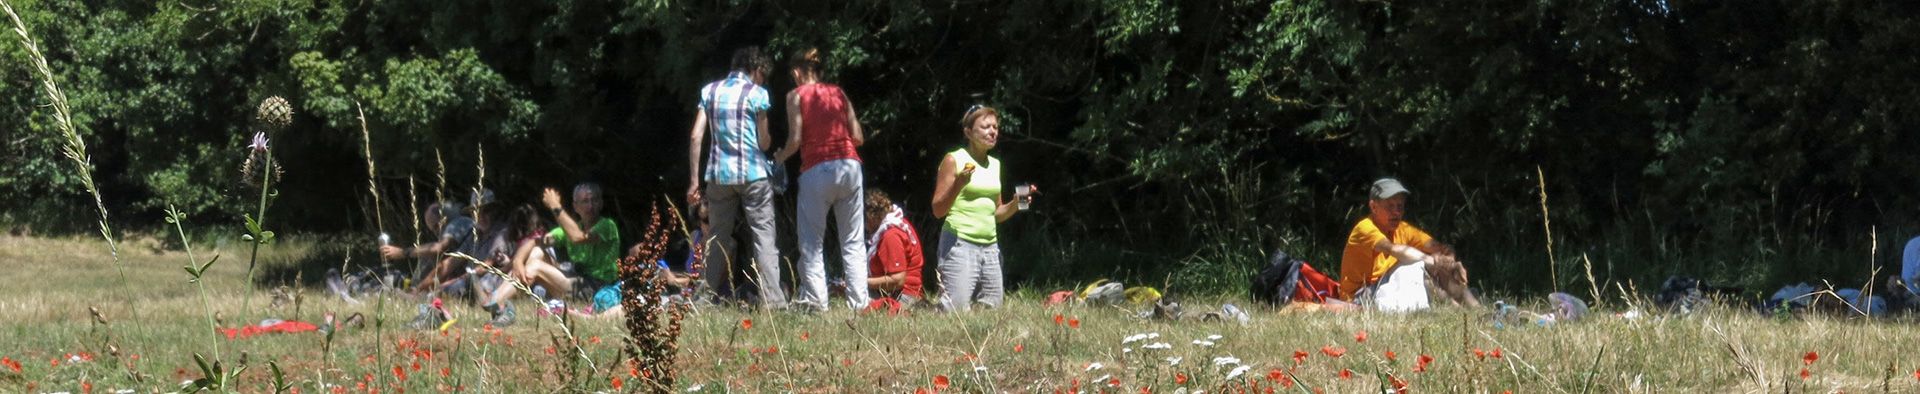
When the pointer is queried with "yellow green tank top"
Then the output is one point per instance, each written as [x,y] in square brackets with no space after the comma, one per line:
[971,217]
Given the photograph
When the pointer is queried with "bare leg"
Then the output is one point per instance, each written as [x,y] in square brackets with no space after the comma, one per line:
[1450,277]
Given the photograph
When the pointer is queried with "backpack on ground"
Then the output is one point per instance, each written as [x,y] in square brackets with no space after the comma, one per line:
[1287,279]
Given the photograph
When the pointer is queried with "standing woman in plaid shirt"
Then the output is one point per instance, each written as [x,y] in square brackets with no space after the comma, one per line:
[737,175]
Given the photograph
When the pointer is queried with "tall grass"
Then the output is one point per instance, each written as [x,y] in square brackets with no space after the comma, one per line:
[76,147]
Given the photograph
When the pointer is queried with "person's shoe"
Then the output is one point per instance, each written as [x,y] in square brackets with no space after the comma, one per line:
[428,318]
[503,314]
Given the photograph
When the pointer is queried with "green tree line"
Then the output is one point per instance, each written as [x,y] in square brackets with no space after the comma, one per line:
[1174,141]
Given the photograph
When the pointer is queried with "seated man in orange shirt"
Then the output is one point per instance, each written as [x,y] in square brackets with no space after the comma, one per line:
[1382,246]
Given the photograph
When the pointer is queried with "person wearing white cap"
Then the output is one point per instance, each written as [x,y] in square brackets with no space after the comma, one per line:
[1390,259]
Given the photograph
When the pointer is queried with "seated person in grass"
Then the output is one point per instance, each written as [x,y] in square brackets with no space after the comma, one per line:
[529,264]
[894,259]
[592,242]
[1382,246]
[456,232]
[606,301]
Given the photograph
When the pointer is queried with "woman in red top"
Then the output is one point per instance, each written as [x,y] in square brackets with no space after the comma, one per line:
[823,129]
[893,250]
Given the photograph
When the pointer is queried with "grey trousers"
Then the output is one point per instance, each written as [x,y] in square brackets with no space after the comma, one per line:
[724,203]
[970,273]
[832,187]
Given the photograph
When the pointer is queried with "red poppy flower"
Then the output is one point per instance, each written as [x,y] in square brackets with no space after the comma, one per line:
[1399,386]
[1916,374]
[399,373]
[1421,366]
[940,382]
[1275,374]
[446,371]
[1286,381]
[1299,356]
[1810,358]
[1334,352]
[846,362]
[922,390]
[1059,319]
[773,349]
[1346,374]
[86,387]
[1146,390]
[616,383]
[1113,382]
[1360,336]
[1181,378]
[1496,353]
[1804,374]
[1391,356]
[1074,322]
[804,335]
[416,366]
[746,324]
[1480,354]
[594,339]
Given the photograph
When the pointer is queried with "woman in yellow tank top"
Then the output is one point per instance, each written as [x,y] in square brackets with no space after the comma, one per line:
[967,197]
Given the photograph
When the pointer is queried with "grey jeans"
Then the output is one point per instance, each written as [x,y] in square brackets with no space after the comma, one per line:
[969,273]
[724,203]
[832,187]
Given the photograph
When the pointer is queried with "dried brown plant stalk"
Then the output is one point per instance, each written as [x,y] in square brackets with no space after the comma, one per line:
[653,323]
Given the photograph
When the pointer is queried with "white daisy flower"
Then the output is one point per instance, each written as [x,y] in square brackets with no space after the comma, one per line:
[1237,371]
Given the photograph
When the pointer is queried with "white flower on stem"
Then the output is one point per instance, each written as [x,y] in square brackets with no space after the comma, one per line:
[1226,361]
[1157,346]
[1126,350]
[1237,371]
[980,369]
[259,142]
[1094,366]
[1133,338]
[1203,343]
[696,388]
[1174,361]
[1214,337]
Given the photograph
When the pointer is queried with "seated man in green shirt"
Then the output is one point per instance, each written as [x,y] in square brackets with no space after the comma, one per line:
[591,242]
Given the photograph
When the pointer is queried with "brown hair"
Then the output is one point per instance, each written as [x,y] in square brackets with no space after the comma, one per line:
[974,114]
[807,59]
[877,205]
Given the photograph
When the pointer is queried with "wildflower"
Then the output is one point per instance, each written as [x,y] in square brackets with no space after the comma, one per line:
[980,369]
[1916,374]
[696,388]
[1018,347]
[1421,366]
[922,390]
[1203,343]
[12,365]
[616,383]
[773,349]
[1126,350]
[1214,337]
[1059,319]
[596,339]
[1360,336]
[259,143]
[86,387]
[1237,371]
[1480,354]
[1299,356]
[1810,358]
[1173,361]
[1495,353]
[1334,352]
[1804,374]
[446,371]
[1113,382]
[746,324]
[1218,361]
[1399,386]
[1157,346]
[416,366]
[1346,374]
[846,362]
[1179,378]
[1094,366]
[1138,337]
[804,335]
[1074,322]
[940,382]
[1391,356]
[399,373]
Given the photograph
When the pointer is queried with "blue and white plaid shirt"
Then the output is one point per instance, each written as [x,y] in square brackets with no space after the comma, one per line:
[732,105]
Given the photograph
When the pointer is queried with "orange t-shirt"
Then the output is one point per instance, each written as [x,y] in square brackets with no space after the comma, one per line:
[1360,265]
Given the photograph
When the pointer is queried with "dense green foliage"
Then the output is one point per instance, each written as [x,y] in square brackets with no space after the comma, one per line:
[1731,140]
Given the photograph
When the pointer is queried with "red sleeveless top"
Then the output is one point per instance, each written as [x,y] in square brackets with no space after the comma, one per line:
[825,131]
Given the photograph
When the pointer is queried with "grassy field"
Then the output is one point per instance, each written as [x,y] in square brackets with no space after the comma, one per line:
[157,323]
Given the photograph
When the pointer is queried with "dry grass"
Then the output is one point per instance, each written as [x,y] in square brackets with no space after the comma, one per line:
[52,282]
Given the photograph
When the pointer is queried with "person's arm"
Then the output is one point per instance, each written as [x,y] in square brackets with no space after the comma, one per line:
[1437,248]
[575,234]
[693,153]
[1406,254]
[518,266]
[1005,210]
[766,136]
[888,283]
[853,123]
[794,121]
[947,185]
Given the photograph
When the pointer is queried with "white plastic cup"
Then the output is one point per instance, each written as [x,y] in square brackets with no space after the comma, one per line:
[385,240]
[1021,194]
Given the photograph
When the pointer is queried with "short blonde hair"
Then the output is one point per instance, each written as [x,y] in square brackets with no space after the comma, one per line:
[974,114]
